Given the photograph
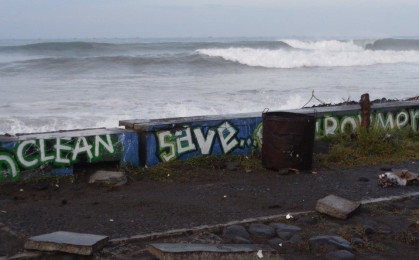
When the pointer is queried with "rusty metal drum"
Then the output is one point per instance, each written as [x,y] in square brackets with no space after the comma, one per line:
[288,140]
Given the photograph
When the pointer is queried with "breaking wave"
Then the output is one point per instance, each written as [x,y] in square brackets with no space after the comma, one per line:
[331,53]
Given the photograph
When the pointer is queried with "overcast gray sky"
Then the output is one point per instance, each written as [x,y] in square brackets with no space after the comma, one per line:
[206,18]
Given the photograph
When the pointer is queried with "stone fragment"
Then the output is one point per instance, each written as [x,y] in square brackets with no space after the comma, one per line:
[358,241]
[233,231]
[108,178]
[328,243]
[340,255]
[262,231]
[281,227]
[336,206]
[68,242]
[232,166]
[211,251]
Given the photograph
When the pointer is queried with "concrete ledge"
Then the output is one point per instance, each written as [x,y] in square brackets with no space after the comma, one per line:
[68,242]
[211,251]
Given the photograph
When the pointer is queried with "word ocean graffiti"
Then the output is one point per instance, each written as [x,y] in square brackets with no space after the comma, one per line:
[61,152]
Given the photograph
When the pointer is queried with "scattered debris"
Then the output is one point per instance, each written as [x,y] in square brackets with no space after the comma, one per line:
[259,254]
[68,242]
[288,216]
[109,178]
[336,206]
[397,178]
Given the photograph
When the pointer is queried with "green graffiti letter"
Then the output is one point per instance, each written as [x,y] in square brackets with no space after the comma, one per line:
[44,156]
[22,160]
[108,145]
[414,114]
[9,163]
[61,147]
[82,146]
[184,141]
[205,144]
[330,125]
[226,134]
[165,141]
[389,121]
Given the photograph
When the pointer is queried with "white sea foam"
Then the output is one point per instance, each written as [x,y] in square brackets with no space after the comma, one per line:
[330,45]
[286,59]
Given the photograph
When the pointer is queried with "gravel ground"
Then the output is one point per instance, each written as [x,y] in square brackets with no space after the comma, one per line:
[219,196]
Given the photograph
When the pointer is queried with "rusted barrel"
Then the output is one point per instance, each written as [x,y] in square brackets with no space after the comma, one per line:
[288,140]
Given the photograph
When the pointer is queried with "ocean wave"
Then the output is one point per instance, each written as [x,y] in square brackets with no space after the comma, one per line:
[285,59]
[394,44]
[88,64]
[329,45]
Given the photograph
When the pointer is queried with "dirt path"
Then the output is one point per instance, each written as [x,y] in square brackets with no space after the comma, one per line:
[219,196]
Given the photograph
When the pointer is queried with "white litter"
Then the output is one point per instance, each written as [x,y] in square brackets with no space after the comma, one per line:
[260,254]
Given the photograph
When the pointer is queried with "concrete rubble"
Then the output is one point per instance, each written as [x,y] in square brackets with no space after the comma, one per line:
[110,178]
[68,242]
[336,206]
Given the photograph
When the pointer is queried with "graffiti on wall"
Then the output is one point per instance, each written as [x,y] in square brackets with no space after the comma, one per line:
[228,137]
[330,124]
[46,154]
[202,139]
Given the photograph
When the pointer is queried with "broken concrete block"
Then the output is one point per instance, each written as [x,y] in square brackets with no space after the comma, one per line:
[336,206]
[108,178]
[211,251]
[68,242]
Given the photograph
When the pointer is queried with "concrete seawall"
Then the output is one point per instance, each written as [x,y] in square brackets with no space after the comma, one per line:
[149,142]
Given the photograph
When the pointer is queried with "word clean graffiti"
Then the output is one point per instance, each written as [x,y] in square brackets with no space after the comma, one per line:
[221,139]
[36,154]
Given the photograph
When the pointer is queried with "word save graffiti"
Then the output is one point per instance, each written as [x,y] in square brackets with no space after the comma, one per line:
[62,151]
[172,144]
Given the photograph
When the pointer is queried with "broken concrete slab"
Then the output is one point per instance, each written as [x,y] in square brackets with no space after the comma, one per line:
[26,256]
[68,242]
[168,251]
[108,178]
[336,206]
